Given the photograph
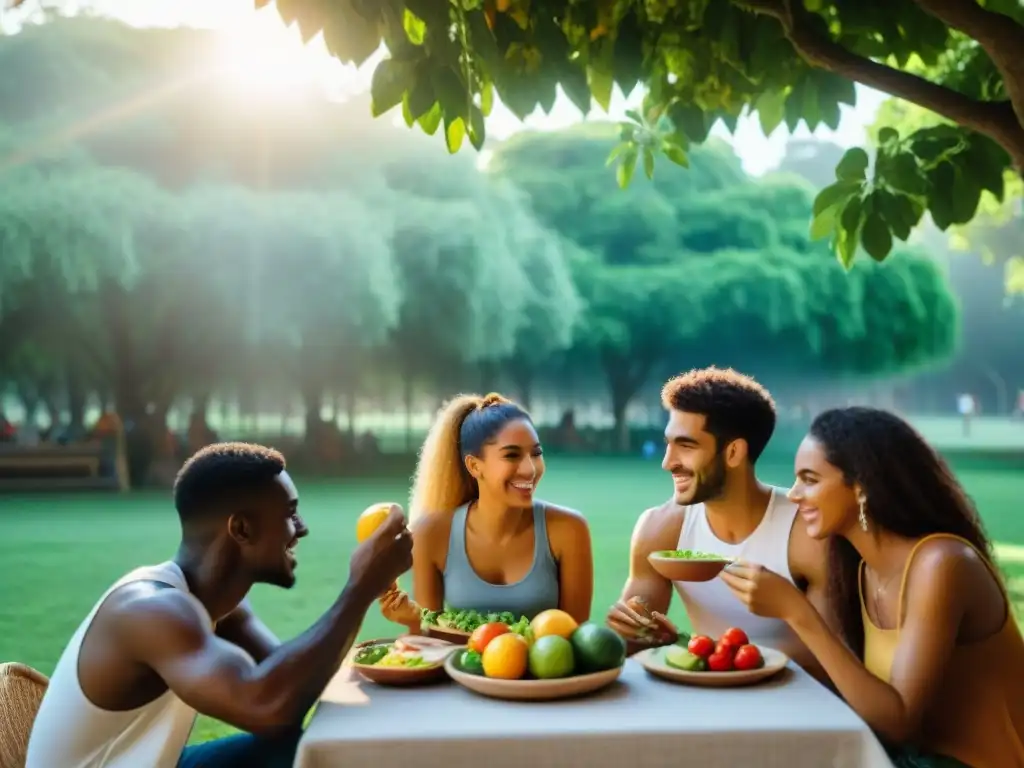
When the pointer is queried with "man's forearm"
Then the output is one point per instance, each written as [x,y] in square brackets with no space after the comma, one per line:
[292,678]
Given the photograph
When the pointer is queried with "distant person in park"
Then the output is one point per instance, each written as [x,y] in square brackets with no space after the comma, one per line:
[967,407]
[482,538]
[170,640]
[927,650]
[719,424]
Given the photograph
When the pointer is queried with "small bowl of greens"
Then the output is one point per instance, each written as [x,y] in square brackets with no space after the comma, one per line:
[405,661]
[456,626]
[687,564]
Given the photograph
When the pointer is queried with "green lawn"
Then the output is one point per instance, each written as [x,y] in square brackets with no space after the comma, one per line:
[58,553]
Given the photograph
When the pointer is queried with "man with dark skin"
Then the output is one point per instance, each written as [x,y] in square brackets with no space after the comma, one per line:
[171,640]
[719,423]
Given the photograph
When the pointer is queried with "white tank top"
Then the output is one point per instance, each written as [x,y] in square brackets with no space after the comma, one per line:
[72,732]
[711,606]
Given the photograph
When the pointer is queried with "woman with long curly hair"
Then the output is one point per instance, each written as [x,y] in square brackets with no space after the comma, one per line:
[930,655]
[482,540]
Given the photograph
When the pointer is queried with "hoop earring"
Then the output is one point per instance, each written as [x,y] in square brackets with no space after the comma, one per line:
[862,517]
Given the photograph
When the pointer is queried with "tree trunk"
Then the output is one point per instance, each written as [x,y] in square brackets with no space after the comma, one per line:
[76,404]
[408,395]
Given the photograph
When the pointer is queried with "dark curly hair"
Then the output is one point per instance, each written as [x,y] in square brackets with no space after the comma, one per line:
[910,491]
[223,471]
[734,406]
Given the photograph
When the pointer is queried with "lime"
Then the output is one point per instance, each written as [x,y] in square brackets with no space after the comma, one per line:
[472,663]
[551,656]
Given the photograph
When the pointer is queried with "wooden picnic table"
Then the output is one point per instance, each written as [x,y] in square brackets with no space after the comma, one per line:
[790,721]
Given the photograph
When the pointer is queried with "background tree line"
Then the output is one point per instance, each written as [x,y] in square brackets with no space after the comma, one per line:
[165,243]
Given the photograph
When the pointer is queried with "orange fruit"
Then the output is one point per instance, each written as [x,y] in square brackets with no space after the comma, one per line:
[553,622]
[371,520]
[506,657]
[483,635]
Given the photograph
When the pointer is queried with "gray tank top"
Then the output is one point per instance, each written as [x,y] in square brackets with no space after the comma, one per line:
[464,590]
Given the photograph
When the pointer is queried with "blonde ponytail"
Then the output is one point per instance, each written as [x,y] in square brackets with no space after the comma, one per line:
[442,482]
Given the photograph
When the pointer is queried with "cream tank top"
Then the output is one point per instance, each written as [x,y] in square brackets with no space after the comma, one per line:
[711,606]
[72,732]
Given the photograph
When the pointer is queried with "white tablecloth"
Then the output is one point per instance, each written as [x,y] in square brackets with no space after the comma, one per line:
[640,722]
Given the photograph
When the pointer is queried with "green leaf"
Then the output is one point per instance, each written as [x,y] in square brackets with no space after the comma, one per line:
[452,93]
[635,116]
[601,84]
[477,129]
[846,248]
[771,108]
[617,150]
[454,133]
[854,165]
[627,167]
[887,135]
[574,84]
[430,121]
[388,85]
[487,97]
[415,28]
[902,172]
[349,37]
[422,96]
[649,162]
[875,237]
[852,215]
[823,224]
[834,195]
[676,154]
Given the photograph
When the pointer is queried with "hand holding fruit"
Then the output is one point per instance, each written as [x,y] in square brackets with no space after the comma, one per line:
[763,591]
[398,607]
[635,624]
[383,556]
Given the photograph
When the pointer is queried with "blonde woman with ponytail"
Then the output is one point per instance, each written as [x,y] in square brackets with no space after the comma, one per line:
[481,540]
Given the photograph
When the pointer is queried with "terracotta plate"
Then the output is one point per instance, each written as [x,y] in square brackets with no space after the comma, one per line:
[530,690]
[653,660]
[435,651]
[448,635]
[676,569]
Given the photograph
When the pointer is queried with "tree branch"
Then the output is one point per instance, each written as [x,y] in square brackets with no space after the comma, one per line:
[1001,37]
[993,118]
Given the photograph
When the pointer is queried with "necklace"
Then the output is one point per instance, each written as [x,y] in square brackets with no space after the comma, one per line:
[878,593]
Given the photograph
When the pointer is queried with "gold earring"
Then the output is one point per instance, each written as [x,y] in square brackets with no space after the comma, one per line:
[862,517]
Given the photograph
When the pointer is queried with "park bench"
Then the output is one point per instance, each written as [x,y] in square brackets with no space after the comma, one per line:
[81,466]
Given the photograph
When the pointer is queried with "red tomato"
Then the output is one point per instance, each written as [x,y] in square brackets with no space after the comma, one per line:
[748,657]
[483,635]
[720,662]
[726,649]
[701,645]
[735,637]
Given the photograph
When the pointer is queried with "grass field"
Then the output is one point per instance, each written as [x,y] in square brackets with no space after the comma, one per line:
[58,553]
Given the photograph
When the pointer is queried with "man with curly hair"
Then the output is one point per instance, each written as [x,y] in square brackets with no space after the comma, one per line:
[719,424]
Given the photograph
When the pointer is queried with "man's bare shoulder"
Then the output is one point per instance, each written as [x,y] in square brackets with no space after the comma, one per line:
[144,612]
[659,527]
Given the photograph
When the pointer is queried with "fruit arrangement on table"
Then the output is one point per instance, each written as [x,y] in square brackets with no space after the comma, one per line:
[730,660]
[733,651]
[553,657]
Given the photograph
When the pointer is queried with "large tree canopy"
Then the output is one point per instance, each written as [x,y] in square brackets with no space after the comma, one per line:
[702,62]
[716,267]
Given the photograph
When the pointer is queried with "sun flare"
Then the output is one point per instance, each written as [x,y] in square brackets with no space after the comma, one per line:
[260,54]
